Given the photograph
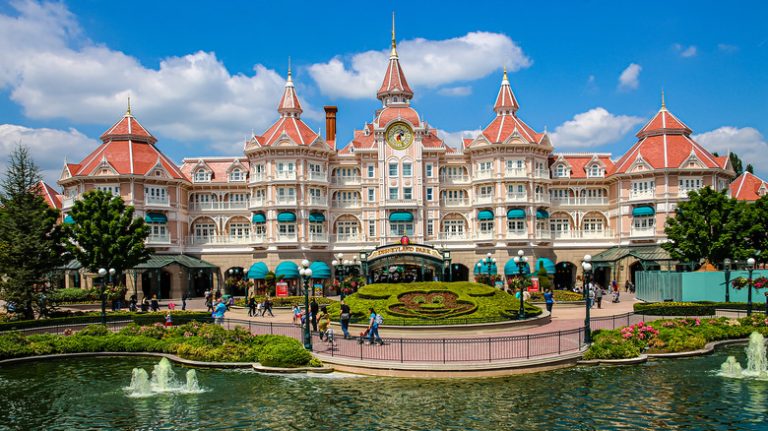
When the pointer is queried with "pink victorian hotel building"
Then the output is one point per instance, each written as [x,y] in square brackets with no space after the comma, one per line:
[294,194]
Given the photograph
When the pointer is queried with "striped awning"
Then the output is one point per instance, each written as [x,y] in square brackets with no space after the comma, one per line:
[286,217]
[516,213]
[643,211]
[485,215]
[258,218]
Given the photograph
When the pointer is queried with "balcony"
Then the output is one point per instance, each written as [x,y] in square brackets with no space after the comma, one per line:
[343,238]
[318,201]
[517,197]
[635,195]
[318,237]
[544,234]
[594,201]
[541,174]
[517,234]
[257,177]
[541,199]
[350,180]
[160,238]
[258,238]
[486,174]
[484,236]
[287,237]
[401,203]
[484,199]
[258,202]
[515,173]
[220,240]
[642,231]
[218,206]
[285,176]
[454,179]
[455,202]
[318,176]
[67,202]
[285,200]
[156,200]
[349,203]
[571,201]
[452,236]
[683,192]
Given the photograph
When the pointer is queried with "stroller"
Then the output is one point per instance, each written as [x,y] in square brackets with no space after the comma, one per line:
[363,335]
[615,295]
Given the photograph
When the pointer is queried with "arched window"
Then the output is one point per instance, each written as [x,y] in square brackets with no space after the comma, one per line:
[202,176]
[560,171]
[236,175]
[595,171]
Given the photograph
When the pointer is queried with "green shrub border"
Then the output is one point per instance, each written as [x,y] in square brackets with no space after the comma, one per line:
[698,308]
[95,317]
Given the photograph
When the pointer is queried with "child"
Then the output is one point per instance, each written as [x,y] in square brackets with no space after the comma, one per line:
[168,321]
[296,313]
[171,306]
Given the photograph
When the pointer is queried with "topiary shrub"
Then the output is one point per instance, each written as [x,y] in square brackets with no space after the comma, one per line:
[286,353]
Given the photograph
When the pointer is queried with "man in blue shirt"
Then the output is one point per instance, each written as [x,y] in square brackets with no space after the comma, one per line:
[218,312]
[373,328]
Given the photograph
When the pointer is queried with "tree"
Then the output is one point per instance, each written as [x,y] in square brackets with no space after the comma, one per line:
[105,233]
[30,237]
[751,229]
[750,169]
[704,227]
[544,279]
[736,163]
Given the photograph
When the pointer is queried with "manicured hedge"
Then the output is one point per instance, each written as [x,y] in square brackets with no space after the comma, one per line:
[95,317]
[195,341]
[490,304]
[671,335]
[559,295]
[675,309]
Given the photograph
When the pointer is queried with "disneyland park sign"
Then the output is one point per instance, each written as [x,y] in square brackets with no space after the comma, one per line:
[405,249]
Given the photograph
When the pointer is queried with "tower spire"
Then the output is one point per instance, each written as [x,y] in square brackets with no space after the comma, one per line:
[394,41]
[663,105]
[128,112]
[289,69]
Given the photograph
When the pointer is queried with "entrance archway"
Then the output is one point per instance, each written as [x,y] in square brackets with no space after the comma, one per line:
[460,272]
[405,263]
[233,279]
[201,282]
[565,275]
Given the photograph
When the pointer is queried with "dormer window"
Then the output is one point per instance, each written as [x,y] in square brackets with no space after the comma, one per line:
[202,176]
[561,171]
[595,171]
[236,175]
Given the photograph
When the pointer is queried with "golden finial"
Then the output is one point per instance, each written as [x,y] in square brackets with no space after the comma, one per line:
[663,105]
[505,74]
[394,43]
[128,112]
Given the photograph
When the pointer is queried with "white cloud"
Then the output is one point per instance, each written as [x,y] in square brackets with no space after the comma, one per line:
[48,147]
[685,52]
[750,145]
[630,77]
[593,128]
[454,139]
[426,63]
[724,47]
[53,72]
[455,91]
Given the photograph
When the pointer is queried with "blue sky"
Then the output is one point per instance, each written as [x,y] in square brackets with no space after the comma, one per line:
[203,75]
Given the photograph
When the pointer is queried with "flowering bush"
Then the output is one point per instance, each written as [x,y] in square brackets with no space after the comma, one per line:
[639,331]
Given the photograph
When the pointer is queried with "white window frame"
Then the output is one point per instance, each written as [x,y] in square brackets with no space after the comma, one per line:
[393,169]
[236,175]
[408,193]
[371,194]
[407,169]
[430,194]
[394,193]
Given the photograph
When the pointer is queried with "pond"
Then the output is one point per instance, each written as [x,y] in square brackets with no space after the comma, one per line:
[79,394]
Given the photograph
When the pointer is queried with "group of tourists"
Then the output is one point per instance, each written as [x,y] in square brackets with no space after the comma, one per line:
[320,321]
[258,308]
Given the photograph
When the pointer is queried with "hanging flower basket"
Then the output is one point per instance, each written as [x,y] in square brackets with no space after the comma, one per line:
[739,282]
[760,282]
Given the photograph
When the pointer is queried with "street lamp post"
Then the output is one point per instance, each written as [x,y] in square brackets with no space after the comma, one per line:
[521,261]
[586,265]
[727,270]
[103,273]
[306,274]
[750,268]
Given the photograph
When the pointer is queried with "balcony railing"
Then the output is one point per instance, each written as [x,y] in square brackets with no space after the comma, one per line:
[256,177]
[347,238]
[642,231]
[345,180]
[220,239]
[454,179]
[318,237]
[452,236]
[354,203]
[401,202]
[455,202]
[582,234]
[542,174]
[318,200]
[483,174]
[156,200]
[318,176]
[515,173]
[480,236]
[160,238]
[285,175]
[285,200]
[571,201]
[517,234]
[258,202]
[683,192]
[218,206]
[641,194]
[484,199]
[541,199]
[517,197]
[287,237]
[543,234]
[68,201]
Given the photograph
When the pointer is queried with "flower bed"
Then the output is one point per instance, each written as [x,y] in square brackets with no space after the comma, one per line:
[559,296]
[671,335]
[433,303]
[194,341]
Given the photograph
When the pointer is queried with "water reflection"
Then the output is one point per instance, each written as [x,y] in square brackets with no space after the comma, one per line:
[682,394]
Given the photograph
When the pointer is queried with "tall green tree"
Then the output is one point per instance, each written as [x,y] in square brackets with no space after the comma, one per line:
[737,164]
[105,233]
[752,229]
[31,243]
[704,227]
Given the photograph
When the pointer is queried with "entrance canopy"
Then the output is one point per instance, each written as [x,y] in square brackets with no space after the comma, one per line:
[320,270]
[644,253]
[482,268]
[257,271]
[548,265]
[287,269]
[510,268]
[157,261]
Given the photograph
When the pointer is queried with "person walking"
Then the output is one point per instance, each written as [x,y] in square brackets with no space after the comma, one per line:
[591,294]
[345,316]
[373,327]
[549,300]
[184,298]
[252,306]
[626,286]
[314,308]
[324,321]
[599,295]
[209,303]
[219,311]
[296,313]
[267,307]
[155,304]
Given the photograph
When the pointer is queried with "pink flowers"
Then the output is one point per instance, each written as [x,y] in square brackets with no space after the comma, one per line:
[639,331]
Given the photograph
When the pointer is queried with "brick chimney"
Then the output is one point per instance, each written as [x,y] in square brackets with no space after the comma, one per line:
[330,122]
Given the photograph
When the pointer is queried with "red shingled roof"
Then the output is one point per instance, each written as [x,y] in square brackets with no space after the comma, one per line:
[394,80]
[128,126]
[49,194]
[503,126]
[747,186]
[505,100]
[663,122]
[219,167]
[296,129]
[393,113]
[289,103]
[580,162]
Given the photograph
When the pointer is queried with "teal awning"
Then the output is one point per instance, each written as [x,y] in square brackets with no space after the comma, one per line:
[320,270]
[286,217]
[258,218]
[257,271]
[316,217]
[510,268]
[155,218]
[485,215]
[287,269]
[401,216]
[68,219]
[541,214]
[516,213]
[483,268]
[643,211]
[548,265]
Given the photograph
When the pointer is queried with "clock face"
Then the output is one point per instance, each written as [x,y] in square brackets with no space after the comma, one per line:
[399,136]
